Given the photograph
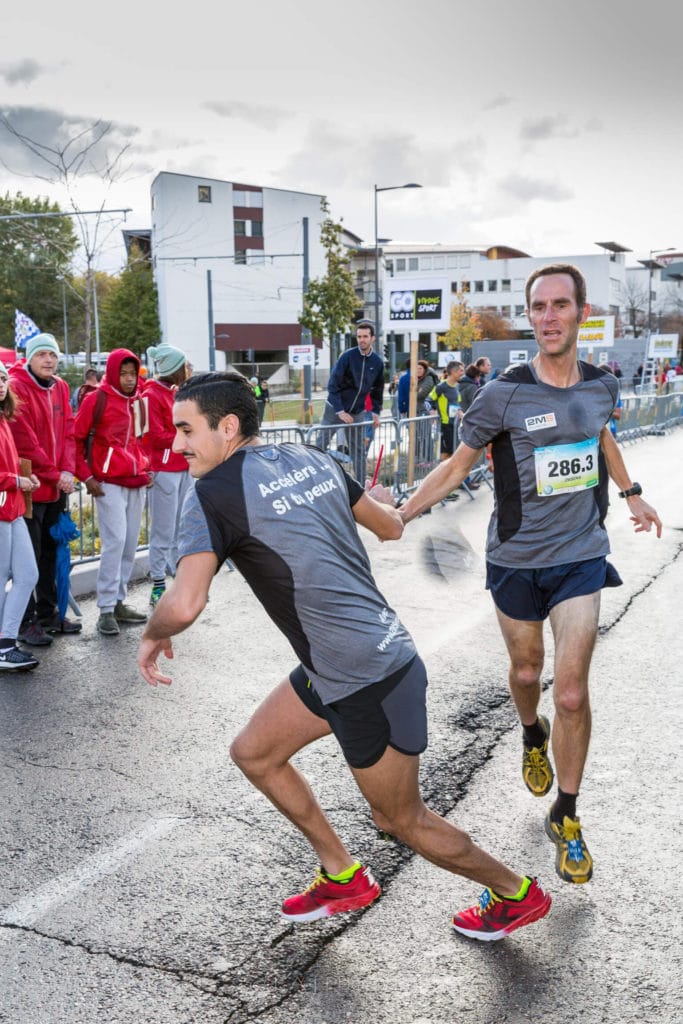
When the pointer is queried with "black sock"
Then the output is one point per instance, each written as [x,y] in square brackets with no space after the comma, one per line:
[565,805]
[534,735]
[6,644]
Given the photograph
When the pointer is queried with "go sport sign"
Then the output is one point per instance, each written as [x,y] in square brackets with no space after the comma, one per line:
[418,305]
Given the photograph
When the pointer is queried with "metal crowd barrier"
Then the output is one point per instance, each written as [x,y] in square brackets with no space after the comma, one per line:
[399,452]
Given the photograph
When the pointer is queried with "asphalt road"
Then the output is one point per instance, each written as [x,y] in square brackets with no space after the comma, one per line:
[141,876]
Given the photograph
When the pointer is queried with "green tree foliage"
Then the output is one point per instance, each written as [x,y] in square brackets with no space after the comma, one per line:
[464,327]
[130,313]
[330,301]
[35,253]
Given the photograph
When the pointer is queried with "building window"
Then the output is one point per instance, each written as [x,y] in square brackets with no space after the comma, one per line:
[240,256]
[413,263]
[465,286]
[505,312]
[389,266]
[253,199]
[519,310]
[478,286]
[400,265]
[426,263]
[240,227]
[438,263]
[505,284]
[451,262]
[464,261]
[492,286]
[204,193]
[256,228]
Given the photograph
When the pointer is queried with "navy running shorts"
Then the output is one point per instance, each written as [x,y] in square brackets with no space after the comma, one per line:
[392,713]
[530,594]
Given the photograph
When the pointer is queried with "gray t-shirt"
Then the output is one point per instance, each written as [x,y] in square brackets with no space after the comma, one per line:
[549,472]
[282,513]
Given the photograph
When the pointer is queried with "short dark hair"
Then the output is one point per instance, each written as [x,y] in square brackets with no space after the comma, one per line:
[559,268]
[367,325]
[91,371]
[453,364]
[220,393]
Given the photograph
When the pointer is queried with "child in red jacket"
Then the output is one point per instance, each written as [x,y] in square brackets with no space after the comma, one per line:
[114,468]
[17,560]
[171,475]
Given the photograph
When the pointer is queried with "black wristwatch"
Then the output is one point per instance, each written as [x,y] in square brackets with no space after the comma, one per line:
[636,489]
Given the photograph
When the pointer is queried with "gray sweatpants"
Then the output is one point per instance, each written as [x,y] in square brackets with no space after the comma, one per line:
[18,564]
[119,514]
[165,504]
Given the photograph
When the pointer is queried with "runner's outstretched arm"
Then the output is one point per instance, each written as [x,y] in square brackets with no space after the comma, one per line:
[441,481]
[182,603]
[642,514]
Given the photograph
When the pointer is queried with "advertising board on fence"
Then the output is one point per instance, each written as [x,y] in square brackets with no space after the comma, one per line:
[597,330]
[663,346]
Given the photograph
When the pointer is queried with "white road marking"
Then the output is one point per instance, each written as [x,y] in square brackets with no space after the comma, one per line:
[27,911]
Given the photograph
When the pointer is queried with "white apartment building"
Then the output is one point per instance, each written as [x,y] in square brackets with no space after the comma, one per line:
[228,262]
[493,277]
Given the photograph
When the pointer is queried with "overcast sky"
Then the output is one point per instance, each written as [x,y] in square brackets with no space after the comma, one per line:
[542,125]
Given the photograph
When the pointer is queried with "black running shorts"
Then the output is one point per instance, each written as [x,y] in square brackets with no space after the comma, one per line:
[392,713]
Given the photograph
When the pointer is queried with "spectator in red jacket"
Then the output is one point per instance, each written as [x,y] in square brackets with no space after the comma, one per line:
[114,468]
[17,561]
[171,475]
[43,431]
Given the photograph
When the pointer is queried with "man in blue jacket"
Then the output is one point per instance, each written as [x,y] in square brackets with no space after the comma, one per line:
[358,372]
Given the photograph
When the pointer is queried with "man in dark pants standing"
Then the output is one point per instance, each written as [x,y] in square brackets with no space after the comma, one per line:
[43,431]
[358,372]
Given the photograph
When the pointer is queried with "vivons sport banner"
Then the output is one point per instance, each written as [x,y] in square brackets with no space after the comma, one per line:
[417,304]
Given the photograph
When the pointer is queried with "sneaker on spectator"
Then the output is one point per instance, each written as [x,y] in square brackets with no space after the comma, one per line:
[12,659]
[325,897]
[494,916]
[158,590]
[124,613]
[34,635]
[107,624]
[57,625]
[573,862]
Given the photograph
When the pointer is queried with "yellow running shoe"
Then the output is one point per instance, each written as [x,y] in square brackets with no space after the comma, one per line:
[537,770]
[573,862]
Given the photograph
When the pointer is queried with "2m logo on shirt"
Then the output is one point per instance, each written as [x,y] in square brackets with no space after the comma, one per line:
[541,422]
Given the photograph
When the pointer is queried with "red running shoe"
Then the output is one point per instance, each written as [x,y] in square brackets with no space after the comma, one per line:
[325,897]
[494,916]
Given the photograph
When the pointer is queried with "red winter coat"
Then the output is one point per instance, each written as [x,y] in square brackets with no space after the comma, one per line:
[158,441]
[12,504]
[117,454]
[43,429]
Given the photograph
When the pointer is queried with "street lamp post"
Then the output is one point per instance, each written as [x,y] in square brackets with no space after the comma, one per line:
[384,188]
[651,265]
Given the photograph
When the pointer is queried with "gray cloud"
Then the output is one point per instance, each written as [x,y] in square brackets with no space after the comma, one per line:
[527,189]
[341,160]
[254,113]
[501,100]
[32,138]
[21,72]
[550,127]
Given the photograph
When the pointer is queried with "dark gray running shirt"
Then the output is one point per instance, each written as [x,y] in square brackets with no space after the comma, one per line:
[282,513]
[549,472]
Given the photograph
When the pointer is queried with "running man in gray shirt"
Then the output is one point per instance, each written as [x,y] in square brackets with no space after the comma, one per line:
[548,424]
[286,516]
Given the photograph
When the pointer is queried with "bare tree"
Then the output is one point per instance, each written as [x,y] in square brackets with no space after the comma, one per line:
[89,151]
[635,296]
